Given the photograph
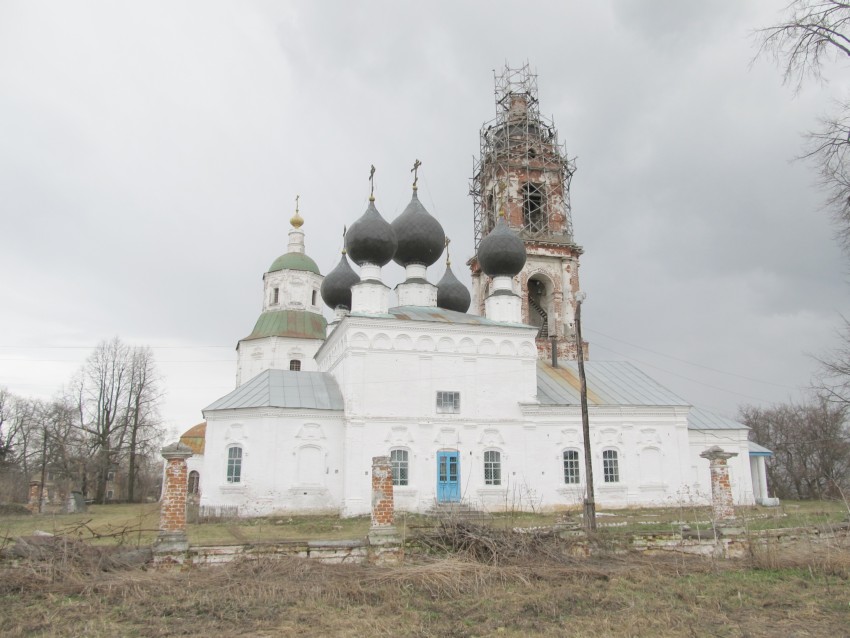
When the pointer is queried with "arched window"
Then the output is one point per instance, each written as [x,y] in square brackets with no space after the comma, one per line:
[610,466]
[572,470]
[234,464]
[401,467]
[492,467]
[194,482]
[295,365]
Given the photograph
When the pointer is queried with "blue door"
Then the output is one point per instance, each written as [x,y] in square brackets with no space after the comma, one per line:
[448,477]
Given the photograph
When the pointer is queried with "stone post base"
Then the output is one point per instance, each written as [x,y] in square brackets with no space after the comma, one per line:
[383,535]
[171,543]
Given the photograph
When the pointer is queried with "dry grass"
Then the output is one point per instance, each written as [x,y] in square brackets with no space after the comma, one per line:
[800,591]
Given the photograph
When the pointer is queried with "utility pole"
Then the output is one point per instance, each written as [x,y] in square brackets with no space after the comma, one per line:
[589,501]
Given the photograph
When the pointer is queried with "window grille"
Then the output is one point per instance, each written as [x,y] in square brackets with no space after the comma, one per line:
[295,365]
[571,467]
[448,402]
[401,467]
[234,464]
[492,467]
[610,466]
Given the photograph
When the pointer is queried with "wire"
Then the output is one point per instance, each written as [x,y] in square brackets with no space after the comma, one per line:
[690,363]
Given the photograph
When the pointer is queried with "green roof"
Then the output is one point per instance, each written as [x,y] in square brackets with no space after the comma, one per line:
[294,261]
[289,323]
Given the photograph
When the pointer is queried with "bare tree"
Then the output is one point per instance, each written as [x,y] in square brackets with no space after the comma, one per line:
[812,446]
[142,413]
[117,399]
[812,33]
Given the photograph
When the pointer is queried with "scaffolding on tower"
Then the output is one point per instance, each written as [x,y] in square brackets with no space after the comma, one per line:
[522,168]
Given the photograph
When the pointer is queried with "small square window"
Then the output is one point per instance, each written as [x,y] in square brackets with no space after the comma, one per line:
[448,402]
[295,365]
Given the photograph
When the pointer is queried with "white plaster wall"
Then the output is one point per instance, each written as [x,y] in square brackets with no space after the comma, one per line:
[740,474]
[273,353]
[531,455]
[291,462]
[296,290]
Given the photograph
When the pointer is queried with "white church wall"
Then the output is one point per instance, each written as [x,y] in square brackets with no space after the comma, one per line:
[274,353]
[290,461]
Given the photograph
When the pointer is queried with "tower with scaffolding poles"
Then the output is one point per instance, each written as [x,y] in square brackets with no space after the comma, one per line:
[523,171]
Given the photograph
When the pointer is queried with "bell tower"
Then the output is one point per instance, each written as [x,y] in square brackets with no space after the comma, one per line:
[524,172]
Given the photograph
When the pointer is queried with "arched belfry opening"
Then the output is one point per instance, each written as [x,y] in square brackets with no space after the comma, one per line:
[539,297]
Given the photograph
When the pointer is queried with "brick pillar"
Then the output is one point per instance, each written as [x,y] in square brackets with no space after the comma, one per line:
[172,512]
[721,489]
[33,504]
[383,508]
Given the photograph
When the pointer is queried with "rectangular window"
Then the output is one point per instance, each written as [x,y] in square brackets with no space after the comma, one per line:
[110,475]
[276,295]
[492,468]
[448,402]
[610,466]
[234,465]
[532,207]
[571,467]
[398,459]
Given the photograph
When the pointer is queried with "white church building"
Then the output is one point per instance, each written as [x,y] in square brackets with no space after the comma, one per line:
[473,395]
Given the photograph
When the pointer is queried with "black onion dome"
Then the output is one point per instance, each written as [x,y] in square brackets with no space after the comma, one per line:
[371,239]
[501,252]
[420,236]
[451,294]
[336,287]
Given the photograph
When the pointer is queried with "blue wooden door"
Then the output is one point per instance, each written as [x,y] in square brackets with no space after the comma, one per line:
[448,477]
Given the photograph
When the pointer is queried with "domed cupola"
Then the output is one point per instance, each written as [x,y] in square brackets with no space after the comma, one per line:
[371,239]
[501,252]
[420,236]
[336,287]
[451,294]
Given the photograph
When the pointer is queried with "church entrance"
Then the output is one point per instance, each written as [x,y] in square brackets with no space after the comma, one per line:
[448,477]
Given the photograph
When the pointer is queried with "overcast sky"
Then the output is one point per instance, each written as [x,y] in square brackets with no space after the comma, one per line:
[151,152]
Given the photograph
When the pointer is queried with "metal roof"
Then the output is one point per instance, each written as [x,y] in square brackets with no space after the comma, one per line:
[608,383]
[700,419]
[438,315]
[284,389]
[294,261]
[194,437]
[758,450]
[301,324]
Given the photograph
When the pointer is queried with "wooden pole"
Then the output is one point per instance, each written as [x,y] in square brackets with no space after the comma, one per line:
[589,501]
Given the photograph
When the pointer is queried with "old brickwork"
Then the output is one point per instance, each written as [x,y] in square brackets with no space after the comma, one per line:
[383,507]
[721,489]
[172,515]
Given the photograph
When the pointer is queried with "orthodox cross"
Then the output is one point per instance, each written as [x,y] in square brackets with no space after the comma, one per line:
[344,230]
[448,259]
[297,197]
[415,171]
[372,183]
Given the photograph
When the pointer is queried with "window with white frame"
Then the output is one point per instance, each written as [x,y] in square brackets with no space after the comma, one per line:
[571,467]
[448,402]
[492,467]
[401,467]
[610,466]
[234,464]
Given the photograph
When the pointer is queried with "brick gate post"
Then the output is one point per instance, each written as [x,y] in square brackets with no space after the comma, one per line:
[721,489]
[172,513]
[383,528]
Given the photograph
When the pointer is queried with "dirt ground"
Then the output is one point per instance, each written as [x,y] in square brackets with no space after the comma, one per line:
[529,593]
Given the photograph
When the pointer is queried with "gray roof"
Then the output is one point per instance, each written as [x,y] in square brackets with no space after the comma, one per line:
[284,389]
[437,315]
[758,450]
[700,419]
[608,383]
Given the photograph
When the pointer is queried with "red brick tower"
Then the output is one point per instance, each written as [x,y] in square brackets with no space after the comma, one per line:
[524,171]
